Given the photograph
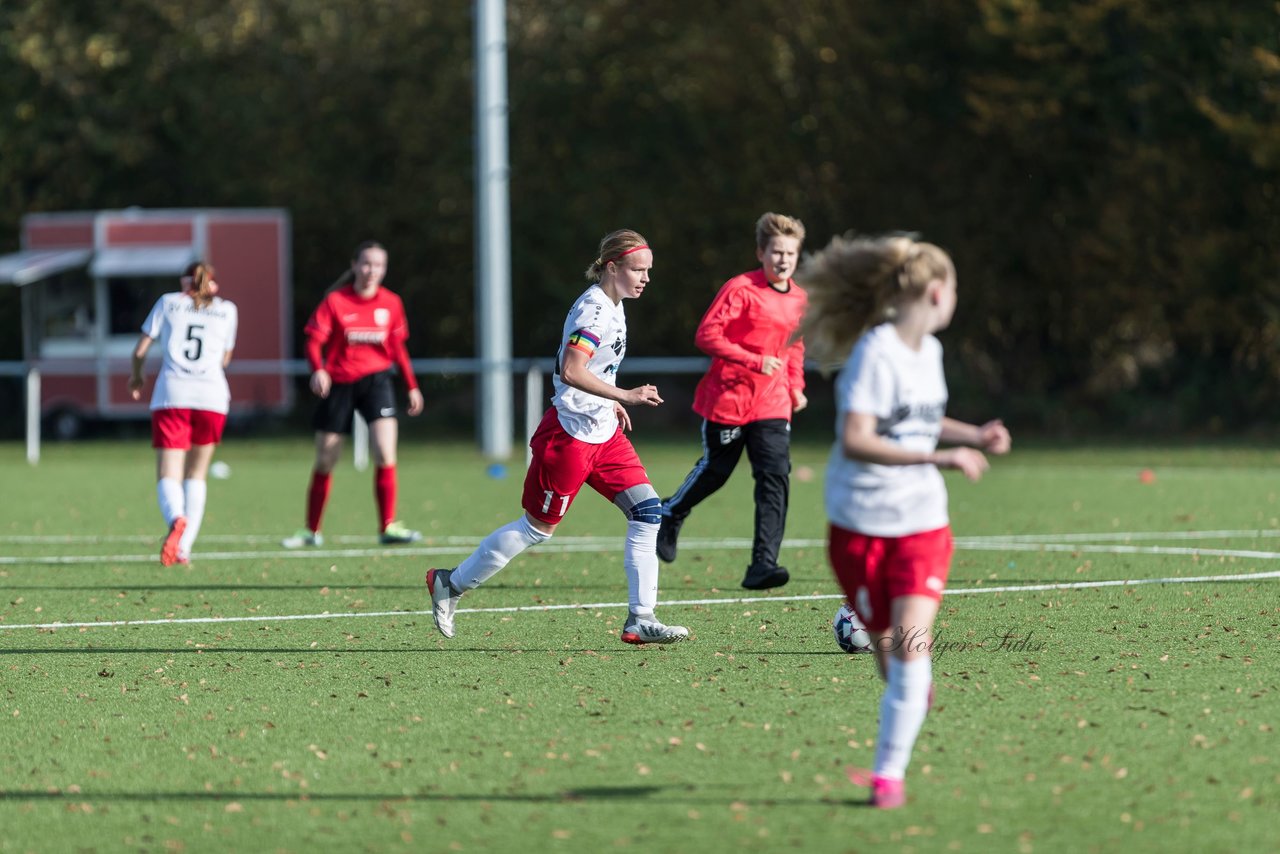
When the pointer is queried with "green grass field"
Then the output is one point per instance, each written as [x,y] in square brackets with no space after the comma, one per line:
[264,700]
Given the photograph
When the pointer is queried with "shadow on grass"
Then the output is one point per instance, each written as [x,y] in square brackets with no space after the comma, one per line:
[649,794]
[306,650]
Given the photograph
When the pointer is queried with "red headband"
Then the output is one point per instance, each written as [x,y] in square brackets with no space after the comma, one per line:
[620,254]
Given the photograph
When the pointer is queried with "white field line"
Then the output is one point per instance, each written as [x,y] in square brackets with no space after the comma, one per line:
[692,542]
[1125,536]
[567,545]
[753,600]
[595,544]
[64,539]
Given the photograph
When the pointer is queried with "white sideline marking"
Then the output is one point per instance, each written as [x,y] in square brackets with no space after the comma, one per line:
[1116,549]
[461,545]
[453,546]
[63,539]
[1108,536]
[691,542]
[756,600]
[568,545]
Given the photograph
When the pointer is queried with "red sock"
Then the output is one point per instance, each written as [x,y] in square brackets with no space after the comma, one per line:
[384,489]
[317,498]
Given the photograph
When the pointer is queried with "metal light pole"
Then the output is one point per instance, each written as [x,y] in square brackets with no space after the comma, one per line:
[493,229]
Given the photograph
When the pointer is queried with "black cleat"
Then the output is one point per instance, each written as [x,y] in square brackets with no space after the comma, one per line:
[668,534]
[765,577]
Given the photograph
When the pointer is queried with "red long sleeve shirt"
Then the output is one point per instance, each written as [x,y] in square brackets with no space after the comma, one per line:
[747,321]
[352,337]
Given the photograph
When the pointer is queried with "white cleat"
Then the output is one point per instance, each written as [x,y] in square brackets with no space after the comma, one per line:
[444,599]
[649,630]
[303,538]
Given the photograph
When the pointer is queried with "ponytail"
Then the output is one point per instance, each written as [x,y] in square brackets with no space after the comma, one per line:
[616,244]
[198,282]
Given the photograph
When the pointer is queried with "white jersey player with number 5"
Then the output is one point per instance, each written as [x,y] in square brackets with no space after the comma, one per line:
[197,334]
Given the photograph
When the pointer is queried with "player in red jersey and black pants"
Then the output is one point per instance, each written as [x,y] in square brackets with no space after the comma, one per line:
[354,337]
[746,398]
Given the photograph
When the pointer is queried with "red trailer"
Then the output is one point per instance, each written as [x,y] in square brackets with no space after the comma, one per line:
[88,280]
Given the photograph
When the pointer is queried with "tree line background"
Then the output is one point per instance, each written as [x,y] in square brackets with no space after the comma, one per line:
[1105,172]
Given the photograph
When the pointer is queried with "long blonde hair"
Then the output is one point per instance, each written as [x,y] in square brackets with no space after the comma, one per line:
[198,282]
[857,282]
[613,246]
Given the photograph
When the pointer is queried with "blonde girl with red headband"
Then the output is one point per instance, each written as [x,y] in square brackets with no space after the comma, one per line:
[582,440]
[874,305]
[197,332]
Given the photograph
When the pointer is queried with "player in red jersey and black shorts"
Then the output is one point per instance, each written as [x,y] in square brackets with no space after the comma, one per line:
[355,336]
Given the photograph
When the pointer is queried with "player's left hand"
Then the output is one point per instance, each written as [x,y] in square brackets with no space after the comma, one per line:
[798,400]
[416,403]
[624,417]
[994,437]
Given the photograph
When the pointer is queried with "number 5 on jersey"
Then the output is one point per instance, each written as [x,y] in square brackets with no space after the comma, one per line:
[195,345]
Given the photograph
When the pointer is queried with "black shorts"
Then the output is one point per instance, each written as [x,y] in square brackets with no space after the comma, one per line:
[373,397]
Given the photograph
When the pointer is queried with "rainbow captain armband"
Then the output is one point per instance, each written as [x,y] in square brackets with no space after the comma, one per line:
[585,341]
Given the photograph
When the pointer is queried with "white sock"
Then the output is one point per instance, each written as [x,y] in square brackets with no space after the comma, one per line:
[495,552]
[902,712]
[640,559]
[172,502]
[195,492]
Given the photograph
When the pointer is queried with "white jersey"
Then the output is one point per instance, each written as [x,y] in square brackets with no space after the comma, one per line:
[906,391]
[194,342]
[597,327]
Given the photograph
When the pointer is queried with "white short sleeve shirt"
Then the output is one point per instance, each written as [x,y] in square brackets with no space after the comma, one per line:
[598,327]
[194,342]
[907,393]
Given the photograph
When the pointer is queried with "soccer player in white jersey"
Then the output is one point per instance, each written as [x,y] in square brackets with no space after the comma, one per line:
[581,440]
[890,537]
[197,333]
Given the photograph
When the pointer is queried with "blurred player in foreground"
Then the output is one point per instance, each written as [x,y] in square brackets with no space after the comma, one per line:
[890,537]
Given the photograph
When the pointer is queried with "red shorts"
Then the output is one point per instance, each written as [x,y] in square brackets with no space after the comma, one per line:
[182,428]
[562,464]
[873,571]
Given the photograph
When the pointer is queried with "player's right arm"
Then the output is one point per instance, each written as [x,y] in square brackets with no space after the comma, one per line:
[729,304]
[317,332]
[574,372]
[150,332]
[860,441]
[135,374]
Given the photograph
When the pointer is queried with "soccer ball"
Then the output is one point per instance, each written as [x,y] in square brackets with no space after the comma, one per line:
[851,635]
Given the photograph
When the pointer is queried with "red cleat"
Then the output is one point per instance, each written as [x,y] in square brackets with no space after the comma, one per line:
[888,794]
[169,550]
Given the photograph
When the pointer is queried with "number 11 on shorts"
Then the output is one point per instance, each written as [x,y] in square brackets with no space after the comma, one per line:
[550,496]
